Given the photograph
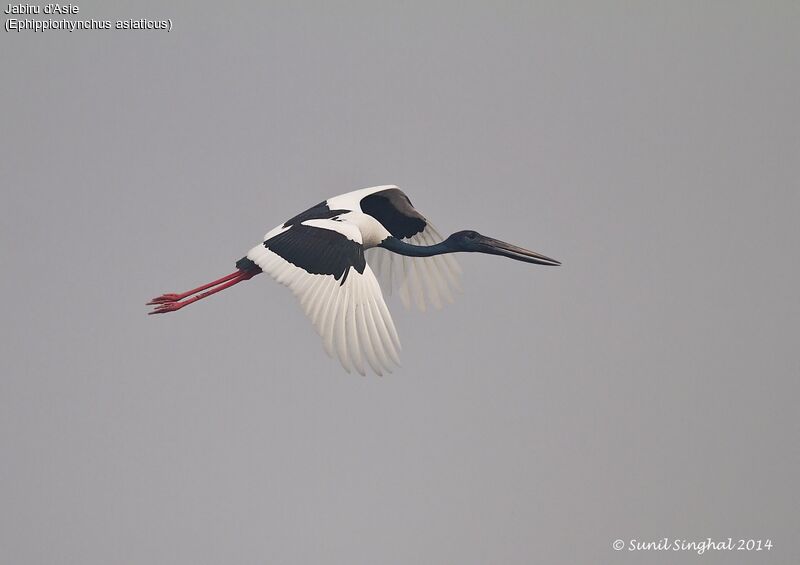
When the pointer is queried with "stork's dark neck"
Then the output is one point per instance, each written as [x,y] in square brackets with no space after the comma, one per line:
[403,248]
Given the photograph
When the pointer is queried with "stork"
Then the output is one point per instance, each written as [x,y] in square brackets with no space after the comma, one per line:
[320,255]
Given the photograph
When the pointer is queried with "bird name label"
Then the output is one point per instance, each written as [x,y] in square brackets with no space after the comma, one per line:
[46,9]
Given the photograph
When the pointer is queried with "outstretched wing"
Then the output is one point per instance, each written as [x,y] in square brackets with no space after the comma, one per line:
[421,280]
[322,262]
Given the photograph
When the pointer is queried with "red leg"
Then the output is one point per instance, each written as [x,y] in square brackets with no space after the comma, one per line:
[170,297]
[172,306]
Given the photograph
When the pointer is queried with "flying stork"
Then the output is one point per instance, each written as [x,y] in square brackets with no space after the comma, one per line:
[320,255]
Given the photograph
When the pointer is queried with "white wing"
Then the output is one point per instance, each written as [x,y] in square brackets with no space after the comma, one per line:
[350,316]
[419,279]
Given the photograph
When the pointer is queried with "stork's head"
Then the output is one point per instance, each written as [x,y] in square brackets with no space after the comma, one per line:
[472,241]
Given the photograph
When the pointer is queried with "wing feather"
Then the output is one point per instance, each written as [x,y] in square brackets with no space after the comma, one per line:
[364,334]
[349,313]
[418,280]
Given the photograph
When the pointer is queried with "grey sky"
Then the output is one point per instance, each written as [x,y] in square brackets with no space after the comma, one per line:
[647,388]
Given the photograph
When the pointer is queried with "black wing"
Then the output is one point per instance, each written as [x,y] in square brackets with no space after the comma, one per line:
[393,209]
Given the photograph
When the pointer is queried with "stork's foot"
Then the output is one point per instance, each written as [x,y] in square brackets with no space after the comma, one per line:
[169,297]
[165,307]
[171,302]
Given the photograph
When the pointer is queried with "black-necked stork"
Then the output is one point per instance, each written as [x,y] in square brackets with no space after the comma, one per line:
[320,255]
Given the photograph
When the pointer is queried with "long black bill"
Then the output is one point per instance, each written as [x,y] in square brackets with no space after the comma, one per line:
[497,247]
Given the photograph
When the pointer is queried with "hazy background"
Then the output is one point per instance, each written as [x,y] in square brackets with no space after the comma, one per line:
[647,388]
